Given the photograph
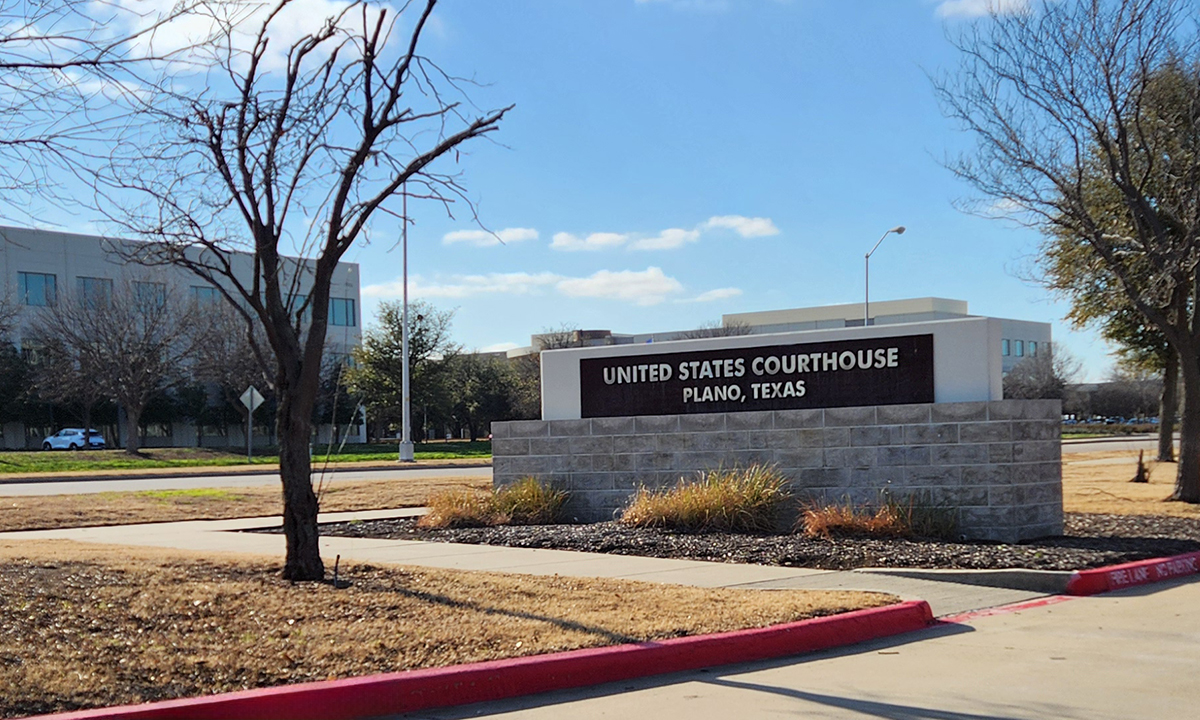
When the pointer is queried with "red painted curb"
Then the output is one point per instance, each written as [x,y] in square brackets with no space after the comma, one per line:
[1141,572]
[378,695]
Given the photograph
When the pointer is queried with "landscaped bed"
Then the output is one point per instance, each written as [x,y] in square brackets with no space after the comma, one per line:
[1090,541]
[86,626]
[1109,521]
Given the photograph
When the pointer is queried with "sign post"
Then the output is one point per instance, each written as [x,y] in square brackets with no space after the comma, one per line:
[251,399]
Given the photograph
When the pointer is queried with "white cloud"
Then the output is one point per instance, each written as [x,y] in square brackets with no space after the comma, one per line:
[668,239]
[980,8]
[1004,207]
[648,287]
[718,294]
[595,241]
[461,286]
[484,238]
[747,227]
[187,33]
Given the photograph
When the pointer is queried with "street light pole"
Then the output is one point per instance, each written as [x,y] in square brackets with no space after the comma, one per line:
[406,444]
[899,230]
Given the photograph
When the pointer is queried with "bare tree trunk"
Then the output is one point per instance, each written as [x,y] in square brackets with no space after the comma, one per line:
[133,423]
[1168,407]
[1187,479]
[294,428]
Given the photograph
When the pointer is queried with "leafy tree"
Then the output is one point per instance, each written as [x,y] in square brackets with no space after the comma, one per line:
[1073,96]
[376,373]
[483,389]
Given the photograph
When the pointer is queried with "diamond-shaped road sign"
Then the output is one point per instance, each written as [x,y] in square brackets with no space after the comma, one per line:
[251,398]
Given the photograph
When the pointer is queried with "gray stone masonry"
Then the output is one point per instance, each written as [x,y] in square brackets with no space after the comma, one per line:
[999,463]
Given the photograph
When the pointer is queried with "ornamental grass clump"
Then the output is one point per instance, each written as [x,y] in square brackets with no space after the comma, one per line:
[745,500]
[911,517]
[461,509]
[528,501]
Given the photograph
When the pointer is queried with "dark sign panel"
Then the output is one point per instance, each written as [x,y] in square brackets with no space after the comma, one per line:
[875,371]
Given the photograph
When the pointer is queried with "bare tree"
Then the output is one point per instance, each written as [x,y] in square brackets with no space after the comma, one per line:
[1043,377]
[71,73]
[1070,96]
[716,329]
[294,153]
[62,368]
[128,344]
[225,360]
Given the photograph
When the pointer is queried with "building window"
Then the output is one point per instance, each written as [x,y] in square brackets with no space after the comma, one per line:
[1032,348]
[93,292]
[150,295]
[37,289]
[204,294]
[1005,350]
[1020,347]
[341,312]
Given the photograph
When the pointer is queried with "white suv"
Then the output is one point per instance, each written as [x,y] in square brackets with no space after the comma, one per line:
[73,439]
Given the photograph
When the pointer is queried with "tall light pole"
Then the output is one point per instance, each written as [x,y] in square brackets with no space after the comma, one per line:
[899,230]
[406,444]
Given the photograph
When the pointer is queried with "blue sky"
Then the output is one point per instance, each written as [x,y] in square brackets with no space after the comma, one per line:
[720,155]
[669,161]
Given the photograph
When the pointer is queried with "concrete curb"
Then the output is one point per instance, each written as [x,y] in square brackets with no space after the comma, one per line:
[1141,572]
[393,693]
[1051,582]
[233,470]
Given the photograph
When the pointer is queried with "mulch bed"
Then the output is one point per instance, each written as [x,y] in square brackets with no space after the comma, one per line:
[1089,540]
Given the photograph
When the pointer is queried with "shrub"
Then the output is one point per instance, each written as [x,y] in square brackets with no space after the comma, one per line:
[890,518]
[737,500]
[526,502]
[529,501]
[461,508]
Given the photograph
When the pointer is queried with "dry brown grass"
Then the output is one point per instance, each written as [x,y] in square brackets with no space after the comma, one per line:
[86,625]
[528,501]
[847,520]
[1098,482]
[750,499]
[64,511]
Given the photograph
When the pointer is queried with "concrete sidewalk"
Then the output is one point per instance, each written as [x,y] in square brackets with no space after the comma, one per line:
[1122,655]
[946,598]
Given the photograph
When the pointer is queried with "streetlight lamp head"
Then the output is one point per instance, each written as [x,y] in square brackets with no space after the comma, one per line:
[899,229]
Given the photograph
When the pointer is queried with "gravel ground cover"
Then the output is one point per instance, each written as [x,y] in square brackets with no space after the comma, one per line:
[1089,540]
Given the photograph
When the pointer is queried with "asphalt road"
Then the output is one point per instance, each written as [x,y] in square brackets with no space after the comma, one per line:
[73,487]
[1138,442]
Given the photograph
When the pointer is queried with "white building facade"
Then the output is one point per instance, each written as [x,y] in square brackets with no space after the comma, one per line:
[40,267]
[1019,339]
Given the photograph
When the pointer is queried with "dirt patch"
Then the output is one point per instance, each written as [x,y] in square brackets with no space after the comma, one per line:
[66,511]
[86,626]
[1098,482]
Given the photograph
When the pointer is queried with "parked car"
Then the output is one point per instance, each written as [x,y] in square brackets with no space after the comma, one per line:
[73,439]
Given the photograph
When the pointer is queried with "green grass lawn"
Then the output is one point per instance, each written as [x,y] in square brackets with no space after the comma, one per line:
[52,461]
